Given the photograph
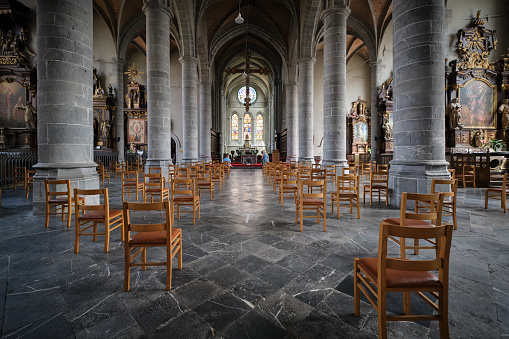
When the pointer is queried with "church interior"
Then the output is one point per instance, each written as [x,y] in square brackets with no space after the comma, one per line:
[117,112]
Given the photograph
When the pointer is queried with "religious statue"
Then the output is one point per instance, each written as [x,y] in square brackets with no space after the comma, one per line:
[132,147]
[453,110]
[110,90]
[30,116]
[480,138]
[387,127]
[247,103]
[105,128]
[127,100]
[504,110]
[3,140]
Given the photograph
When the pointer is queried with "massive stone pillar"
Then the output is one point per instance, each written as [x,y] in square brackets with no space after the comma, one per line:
[306,76]
[118,84]
[64,96]
[205,121]
[189,108]
[334,89]
[419,89]
[292,121]
[159,15]
[375,126]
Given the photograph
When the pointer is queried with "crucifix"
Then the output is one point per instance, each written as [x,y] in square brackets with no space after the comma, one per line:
[245,73]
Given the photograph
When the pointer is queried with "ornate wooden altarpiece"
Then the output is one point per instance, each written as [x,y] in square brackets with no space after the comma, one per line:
[359,131]
[104,116]
[135,114]
[18,79]
[385,105]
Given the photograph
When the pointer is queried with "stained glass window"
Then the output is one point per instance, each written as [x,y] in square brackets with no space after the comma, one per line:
[247,127]
[259,127]
[242,94]
[235,127]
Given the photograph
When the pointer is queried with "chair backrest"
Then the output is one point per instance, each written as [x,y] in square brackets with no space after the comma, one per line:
[129,176]
[153,180]
[84,193]
[427,207]
[145,227]
[183,173]
[155,170]
[204,175]
[440,263]
[183,187]
[20,172]
[351,169]
[312,194]
[452,172]
[449,187]
[52,187]
[382,168]
[29,176]
[379,178]
[318,174]
[347,183]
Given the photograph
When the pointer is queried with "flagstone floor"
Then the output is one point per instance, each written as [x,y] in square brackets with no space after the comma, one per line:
[248,273]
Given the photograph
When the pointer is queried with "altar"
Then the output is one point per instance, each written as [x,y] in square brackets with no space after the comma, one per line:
[248,155]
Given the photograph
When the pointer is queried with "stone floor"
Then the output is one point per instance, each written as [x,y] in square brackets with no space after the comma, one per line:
[248,273]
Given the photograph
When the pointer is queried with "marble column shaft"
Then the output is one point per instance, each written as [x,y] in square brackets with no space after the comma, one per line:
[158,84]
[118,75]
[334,96]
[64,96]
[419,90]
[306,77]
[375,124]
[189,108]
[292,121]
[205,121]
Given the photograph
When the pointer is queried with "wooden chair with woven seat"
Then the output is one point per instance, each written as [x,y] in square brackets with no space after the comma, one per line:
[311,201]
[29,182]
[87,216]
[58,200]
[427,213]
[375,277]
[347,190]
[185,197]
[119,168]
[288,185]
[19,176]
[216,171]
[468,174]
[204,182]
[331,173]
[153,184]
[378,184]
[498,193]
[364,170]
[161,234]
[132,184]
[450,195]
[103,174]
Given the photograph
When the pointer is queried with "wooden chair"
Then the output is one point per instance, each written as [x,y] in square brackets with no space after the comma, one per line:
[311,201]
[153,184]
[331,173]
[449,202]
[29,182]
[204,182]
[452,172]
[19,176]
[103,174]
[427,213]
[498,193]
[172,173]
[288,185]
[185,197]
[217,176]
[226,169]
[347,190]
[378,184]
[150,235]
[375,277]
[88,216]
[467,175]
[119,168]
[350,170]
[57,201]
[365,168]
[131,184]
[382,168]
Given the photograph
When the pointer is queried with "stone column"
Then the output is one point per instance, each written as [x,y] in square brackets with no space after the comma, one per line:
[118,75]
[64,96]
[334,96]
[306,76]
[419,90]
[205,121]
[158,15]
[189,108]
[292,121]
[375,124]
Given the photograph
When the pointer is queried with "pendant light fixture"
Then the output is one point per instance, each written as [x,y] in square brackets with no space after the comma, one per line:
[239,19]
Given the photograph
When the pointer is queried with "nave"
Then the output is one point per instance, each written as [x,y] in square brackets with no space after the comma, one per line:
[248,272]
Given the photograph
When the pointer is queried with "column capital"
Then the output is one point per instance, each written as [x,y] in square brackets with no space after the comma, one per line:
[337,9]
[306,60]
[185,58]
[159,5]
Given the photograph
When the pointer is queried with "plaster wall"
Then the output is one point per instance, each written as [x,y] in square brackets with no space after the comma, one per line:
[358,81]
[385,54]
[104,51]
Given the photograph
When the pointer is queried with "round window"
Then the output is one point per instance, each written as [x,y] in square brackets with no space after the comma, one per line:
[241,95]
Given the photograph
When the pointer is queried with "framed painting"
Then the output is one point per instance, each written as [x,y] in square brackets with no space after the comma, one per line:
[12,104]
[360,133]
[136,131]
[478,99]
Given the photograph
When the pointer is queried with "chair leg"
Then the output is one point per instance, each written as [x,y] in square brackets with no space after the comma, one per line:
[106,237]
[47,216]
[443,312]
[76,237]
[382,316]
[356,291]
[503,202]
[406,303]
[69,211]
[168,268]
[144,258]
[127,268]
[402,247]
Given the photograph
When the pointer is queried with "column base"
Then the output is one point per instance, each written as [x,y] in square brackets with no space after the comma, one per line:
[335,162]
[414,177]
[83,177]
[189,159]
[205,159]
[307,159]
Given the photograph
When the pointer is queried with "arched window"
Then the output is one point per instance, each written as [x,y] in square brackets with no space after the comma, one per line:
[235,127]
[259,127]
[247,127]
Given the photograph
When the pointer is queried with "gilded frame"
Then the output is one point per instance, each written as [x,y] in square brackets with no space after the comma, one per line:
[12,96]
[136,131]
[360,132]
[478,99]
